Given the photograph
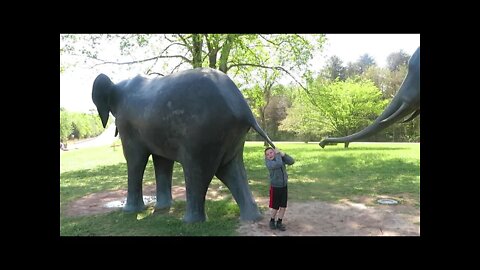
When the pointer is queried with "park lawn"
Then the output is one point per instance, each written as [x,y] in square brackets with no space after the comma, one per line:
[330,174]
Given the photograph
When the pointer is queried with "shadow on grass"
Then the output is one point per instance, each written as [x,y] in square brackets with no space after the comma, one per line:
[222,220]
[75,184]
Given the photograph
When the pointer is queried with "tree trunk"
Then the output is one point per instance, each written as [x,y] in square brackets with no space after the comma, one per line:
[227,46]
[197,42]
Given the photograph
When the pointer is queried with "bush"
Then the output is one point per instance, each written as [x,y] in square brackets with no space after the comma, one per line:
[80,125]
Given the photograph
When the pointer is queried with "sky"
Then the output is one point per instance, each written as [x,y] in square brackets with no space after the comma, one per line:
[76,83]
[349,47]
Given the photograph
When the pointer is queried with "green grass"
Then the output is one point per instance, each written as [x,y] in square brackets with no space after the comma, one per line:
[328,174]
[335,173]
[223,217]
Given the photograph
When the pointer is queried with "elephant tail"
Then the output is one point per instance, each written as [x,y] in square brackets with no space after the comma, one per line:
[101,91]
[260,131]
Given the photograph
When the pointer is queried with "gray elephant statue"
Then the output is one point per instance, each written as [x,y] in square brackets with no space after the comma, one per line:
[196,117]
[406,103]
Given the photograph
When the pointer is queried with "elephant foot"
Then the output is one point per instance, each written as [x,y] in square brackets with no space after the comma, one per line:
[163,204]
[134,208]
[162,208]
[252,215]
[194,217]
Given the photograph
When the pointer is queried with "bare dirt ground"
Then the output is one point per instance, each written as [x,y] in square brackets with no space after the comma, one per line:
[360,217]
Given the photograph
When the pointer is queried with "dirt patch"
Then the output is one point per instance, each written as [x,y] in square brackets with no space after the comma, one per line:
[96,203]
[344,219]
[360,216]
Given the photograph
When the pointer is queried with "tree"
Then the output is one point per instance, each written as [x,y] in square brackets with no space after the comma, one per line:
[81,125]
[257,59]
[261,94]
[276,111]
[66,127]
[304,119]
[334,69]
[378,76]
[344,107]
[230,53]
[365,61]
[393,81]
[397,59]
[360,66]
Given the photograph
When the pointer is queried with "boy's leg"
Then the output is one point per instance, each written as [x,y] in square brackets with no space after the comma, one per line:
[279,224]
[281,212]
[282,208]
[272,219]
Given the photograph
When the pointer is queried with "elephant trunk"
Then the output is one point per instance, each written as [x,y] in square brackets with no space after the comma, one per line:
[392,114]
[405,103]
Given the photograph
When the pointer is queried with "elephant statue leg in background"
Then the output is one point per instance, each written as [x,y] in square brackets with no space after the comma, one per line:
[406,103]
[198,118]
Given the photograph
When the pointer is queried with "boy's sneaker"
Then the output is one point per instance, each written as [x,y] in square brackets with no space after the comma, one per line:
[272,225]
[280,226]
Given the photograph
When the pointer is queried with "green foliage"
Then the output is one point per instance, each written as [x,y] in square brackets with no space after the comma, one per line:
[349,106]
[339,108]
[255,97]
[256,63]
[304,120]
[66,127]
[268,102]
[360,66]
[379,76]
[233,53]
[393,81]
[334,69]
[80,125]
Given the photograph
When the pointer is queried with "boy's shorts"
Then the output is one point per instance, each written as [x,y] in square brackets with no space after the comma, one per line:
[278,197]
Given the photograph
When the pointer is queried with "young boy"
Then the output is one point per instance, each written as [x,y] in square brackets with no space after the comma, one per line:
[275,161]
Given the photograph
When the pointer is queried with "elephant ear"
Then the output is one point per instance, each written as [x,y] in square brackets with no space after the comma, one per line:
[102,89]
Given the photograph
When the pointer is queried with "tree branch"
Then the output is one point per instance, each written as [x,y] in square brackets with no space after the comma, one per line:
[181,63]
[268,67]
[104,62]
[158,73]
[271,42]
[281,69]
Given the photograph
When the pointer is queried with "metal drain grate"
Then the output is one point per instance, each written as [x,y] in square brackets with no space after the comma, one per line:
[387,201]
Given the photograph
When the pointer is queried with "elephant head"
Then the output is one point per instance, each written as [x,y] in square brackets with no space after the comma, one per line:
[196,117]
[405,105]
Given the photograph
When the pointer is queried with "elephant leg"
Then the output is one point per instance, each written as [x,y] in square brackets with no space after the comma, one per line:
[197,180]
[163,176]
[136,161]
[234,176]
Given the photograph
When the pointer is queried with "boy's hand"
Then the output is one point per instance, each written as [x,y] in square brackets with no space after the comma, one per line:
[277,151]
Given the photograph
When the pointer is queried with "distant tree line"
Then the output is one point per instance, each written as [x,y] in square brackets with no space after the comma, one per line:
[75,125]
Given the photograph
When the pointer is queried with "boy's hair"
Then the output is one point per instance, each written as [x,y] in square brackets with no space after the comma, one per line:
[267,149]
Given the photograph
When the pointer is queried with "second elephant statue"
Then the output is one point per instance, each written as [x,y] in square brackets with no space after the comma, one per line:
[406,103]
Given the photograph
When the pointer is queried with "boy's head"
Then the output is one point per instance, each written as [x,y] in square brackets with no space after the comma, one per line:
[269,153]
